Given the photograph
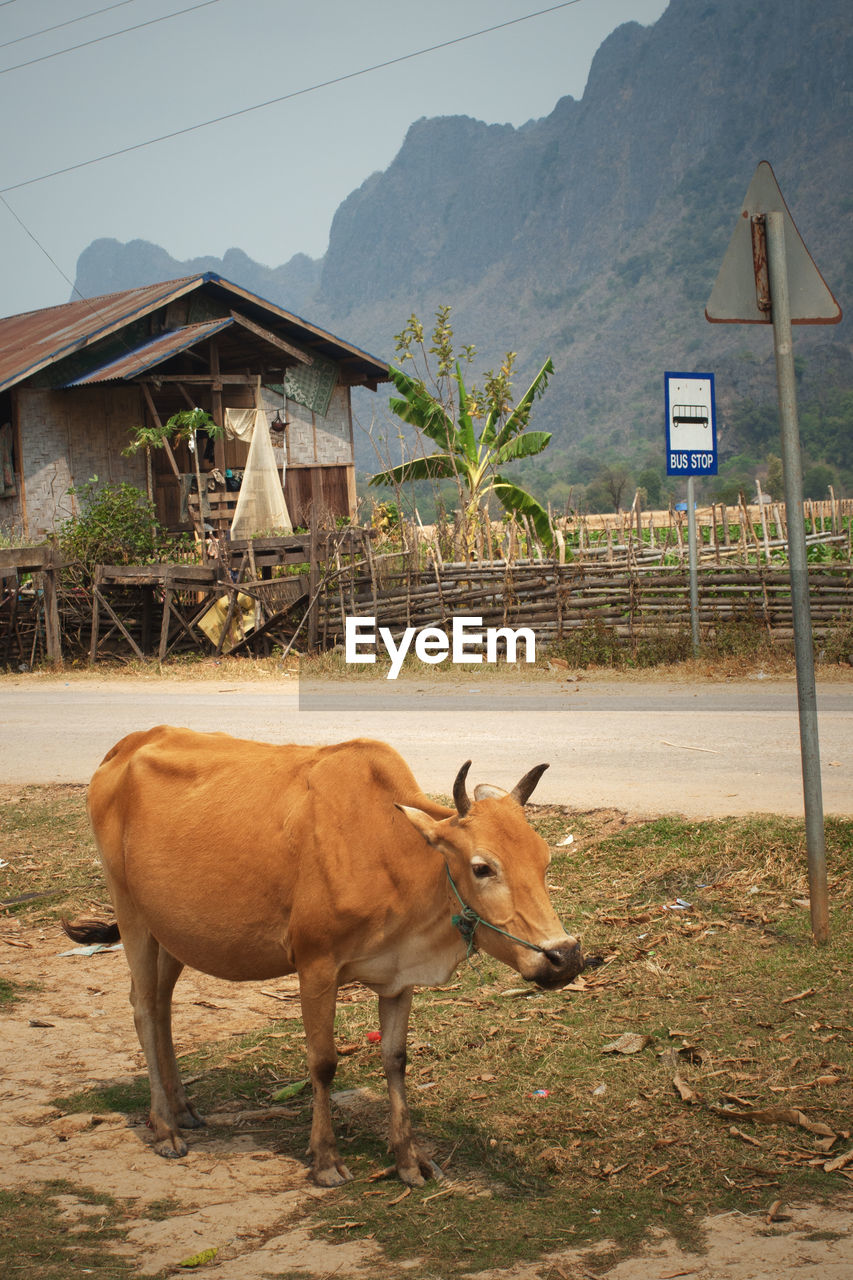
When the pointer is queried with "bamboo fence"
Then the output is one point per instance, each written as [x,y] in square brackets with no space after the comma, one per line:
[626,572]
[749,532]
[554,599]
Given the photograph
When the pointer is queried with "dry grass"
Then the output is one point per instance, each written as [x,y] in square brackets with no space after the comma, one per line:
[763,661]
[736,1010]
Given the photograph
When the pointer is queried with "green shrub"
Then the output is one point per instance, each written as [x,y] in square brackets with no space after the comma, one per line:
[742,635]
[593,644]
[116,525]
[654,648]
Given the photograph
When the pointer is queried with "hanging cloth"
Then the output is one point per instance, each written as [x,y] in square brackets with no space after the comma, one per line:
[239,424]
[261,507]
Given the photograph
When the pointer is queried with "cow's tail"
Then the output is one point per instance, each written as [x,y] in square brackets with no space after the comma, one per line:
[89,931]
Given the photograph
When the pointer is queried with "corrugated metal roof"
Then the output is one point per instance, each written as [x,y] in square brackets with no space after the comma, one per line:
[149,354]
[37,339]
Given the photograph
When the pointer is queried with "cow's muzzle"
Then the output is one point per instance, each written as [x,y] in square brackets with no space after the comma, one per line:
[558,964]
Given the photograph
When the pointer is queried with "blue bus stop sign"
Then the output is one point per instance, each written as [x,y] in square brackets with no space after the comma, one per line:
[691,424]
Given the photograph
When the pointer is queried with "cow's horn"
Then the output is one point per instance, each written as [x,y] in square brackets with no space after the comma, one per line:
[523,790]
[460,794]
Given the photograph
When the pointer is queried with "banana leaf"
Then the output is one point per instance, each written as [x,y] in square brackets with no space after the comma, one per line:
[420,409]
[523,446]
[438,466]
[519,502]
[464,441]
[431,420]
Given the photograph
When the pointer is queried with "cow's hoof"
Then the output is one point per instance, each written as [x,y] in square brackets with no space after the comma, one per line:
[335,1175]
[419,1174]
[171,1148]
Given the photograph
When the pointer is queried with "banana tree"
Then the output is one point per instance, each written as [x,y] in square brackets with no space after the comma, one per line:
[473,460]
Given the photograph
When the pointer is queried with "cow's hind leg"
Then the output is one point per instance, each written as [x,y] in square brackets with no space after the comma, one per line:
[143,953]
[413,1168]
[319,997]
[168,971]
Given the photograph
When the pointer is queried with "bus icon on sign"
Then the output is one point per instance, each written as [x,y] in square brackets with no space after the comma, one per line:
[696,414]
[691,429]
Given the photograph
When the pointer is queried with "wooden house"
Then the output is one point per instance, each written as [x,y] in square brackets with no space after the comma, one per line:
[77,379]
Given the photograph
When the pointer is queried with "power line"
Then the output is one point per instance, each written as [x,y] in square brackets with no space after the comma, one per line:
[70,22]
[285,97]
[99,39]
[32,234]
[245,111]
[88,302]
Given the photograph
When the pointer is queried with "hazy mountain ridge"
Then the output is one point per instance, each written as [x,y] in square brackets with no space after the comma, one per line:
[594,235]
[108,266]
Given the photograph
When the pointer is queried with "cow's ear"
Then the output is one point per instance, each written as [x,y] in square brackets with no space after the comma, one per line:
[483,791]
[427,826]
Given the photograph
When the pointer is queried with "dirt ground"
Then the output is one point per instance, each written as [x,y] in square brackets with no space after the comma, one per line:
[237,1194]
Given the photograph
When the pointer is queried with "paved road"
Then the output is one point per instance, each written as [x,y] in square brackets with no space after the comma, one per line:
[702,750]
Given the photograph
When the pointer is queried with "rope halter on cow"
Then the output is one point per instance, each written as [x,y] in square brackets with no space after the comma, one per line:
[467,920]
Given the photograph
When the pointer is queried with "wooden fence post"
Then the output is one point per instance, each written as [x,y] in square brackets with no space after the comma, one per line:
[764,533]
[313,577]
[52,631]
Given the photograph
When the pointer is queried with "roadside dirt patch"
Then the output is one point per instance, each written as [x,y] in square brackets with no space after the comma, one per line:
[72,1029]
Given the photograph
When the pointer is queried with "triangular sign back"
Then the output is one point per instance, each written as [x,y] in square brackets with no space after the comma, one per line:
[734,299]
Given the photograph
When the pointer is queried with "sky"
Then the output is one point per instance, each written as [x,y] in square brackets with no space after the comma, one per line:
[267,181]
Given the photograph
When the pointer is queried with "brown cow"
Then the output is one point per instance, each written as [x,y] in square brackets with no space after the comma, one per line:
[248,861]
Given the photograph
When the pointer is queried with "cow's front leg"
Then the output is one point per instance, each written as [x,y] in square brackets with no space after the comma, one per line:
[412,1167]
[318,997]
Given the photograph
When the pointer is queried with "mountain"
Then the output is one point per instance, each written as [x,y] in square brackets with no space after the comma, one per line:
[594,235]
[107,266]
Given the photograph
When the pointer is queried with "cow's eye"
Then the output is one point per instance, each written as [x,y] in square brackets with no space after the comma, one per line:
[482,870]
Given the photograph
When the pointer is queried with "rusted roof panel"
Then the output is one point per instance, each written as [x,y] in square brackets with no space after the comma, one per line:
[38,339]
[149,354]
[32,341]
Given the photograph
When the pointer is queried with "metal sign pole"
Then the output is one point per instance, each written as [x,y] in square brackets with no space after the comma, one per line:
[772,278]
[792,465]
[693,560]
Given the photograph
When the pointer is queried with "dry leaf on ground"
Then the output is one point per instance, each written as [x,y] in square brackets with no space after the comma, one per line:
[630,1042]
[685,1092]
[840,1162]
[776,1115]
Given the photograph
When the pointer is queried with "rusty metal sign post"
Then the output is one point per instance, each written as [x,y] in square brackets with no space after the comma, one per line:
[768,277]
